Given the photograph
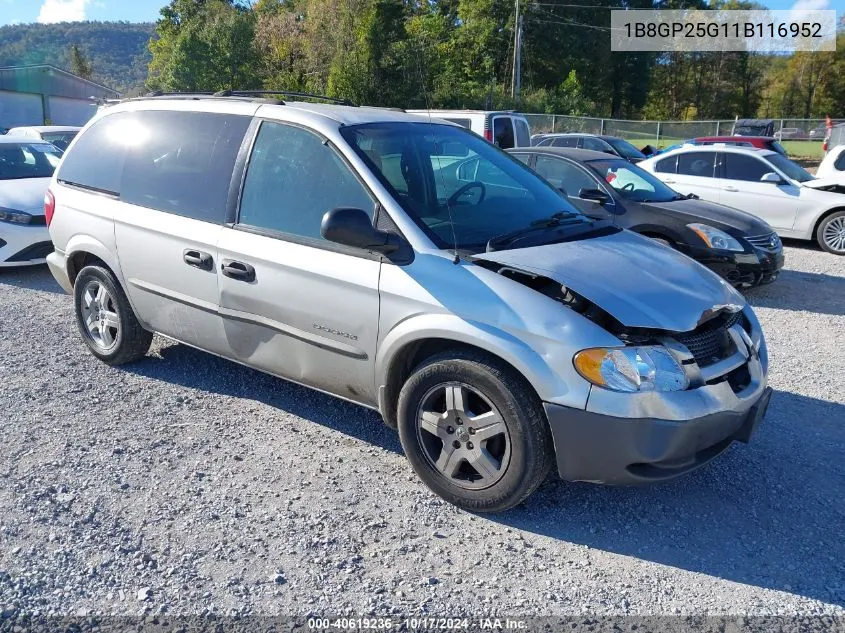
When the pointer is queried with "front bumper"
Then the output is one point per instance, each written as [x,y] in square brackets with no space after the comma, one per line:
[742,269]
[23,245]
[626,451]
[630,438]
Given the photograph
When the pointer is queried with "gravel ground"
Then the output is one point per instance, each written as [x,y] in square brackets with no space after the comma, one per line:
[186,484]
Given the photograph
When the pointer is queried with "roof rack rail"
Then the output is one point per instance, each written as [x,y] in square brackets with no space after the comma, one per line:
[283,93]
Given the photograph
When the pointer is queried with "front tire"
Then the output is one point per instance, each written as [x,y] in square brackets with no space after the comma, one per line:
[474,431]
[106,320]
[831,233]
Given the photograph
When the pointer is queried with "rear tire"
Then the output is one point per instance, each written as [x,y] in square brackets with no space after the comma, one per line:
[105,319]
[474,431]
[831,233]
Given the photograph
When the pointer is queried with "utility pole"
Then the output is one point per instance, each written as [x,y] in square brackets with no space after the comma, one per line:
[516,80]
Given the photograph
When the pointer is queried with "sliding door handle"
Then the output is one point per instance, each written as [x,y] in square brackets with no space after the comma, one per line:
[238,270]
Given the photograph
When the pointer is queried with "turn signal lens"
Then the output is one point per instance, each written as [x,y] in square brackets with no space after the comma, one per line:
[630,369]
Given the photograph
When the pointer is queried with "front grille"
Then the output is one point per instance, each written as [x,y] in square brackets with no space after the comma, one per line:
[39,250]
[711,342]
[768,242]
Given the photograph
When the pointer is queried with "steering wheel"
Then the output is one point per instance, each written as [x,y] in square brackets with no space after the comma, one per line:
[629,186]
[453,199]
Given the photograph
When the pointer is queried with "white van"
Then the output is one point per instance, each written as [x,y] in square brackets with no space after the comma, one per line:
[505,129]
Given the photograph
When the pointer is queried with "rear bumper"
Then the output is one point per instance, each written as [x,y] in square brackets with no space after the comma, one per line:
[57,262]
[625,451]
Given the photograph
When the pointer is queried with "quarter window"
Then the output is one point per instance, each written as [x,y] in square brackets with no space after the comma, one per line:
[293,179]
[696,164]
[182,162]
[96,161]
[597,145]
[839,163]
[742,167]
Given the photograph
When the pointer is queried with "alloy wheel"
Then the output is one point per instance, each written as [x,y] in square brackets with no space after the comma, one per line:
[463,436]
[834,234]
[99,314]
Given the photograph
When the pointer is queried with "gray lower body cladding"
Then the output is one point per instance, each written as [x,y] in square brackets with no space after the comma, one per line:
[627,451]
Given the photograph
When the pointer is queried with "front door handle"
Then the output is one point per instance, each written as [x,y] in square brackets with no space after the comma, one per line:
[198,259]
[731,189]
[669,182]
[238,270]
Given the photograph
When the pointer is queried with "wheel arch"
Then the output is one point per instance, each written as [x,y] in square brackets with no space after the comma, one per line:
[421,337]
[822,218]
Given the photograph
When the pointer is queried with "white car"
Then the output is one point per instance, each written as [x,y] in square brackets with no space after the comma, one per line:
[25,171]
[833,166]
[761,182]
[58,135]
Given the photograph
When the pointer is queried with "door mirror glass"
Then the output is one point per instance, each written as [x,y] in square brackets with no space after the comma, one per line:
[771,177]
[353,227]
[595,195]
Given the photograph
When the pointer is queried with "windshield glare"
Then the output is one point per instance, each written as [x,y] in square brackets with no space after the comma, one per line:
[631,182]
[790,168]
[442,174]
[28,160]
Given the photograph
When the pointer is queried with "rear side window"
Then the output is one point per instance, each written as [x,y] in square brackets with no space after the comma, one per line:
[523,134]
[742,167]
[97,159]
[503,132]
[697,164]
[293,179]
[465,123]
[839,163]
[182,162]
[597,145]
[667,165]
[565,141]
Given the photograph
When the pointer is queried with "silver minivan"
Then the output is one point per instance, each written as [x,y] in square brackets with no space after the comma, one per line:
[411,267]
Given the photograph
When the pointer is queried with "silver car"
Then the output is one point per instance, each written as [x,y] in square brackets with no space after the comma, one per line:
[411,267]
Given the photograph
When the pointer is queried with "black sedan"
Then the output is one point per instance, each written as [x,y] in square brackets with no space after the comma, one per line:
[738,246]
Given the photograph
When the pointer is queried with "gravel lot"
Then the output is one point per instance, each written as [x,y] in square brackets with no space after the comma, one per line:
[190,485]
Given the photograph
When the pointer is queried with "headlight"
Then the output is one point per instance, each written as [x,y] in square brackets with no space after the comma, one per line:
[15,217]
[649,368]
[714,238]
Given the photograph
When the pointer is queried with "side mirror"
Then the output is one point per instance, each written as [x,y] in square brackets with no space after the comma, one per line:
[353,227]
[772,177]
[595,195]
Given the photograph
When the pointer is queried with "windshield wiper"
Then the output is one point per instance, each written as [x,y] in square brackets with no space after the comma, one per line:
[537,225]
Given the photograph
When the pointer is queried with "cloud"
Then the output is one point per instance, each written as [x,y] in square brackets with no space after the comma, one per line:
[53,11]
[811,5]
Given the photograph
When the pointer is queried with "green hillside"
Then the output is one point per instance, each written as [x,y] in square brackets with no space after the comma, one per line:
[117,50]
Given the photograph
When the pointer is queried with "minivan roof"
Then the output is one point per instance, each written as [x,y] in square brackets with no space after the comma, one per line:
[342,114]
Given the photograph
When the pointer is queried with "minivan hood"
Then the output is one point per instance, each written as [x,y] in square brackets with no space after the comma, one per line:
[717,215]
[24,194]
[639,282]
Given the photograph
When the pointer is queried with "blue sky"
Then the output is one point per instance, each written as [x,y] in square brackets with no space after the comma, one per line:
[16,11]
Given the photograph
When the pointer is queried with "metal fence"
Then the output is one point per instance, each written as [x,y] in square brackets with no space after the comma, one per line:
[661,132]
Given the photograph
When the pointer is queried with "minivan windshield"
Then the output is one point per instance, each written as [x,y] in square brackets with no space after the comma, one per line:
[790,168]
[28,160]
[445,176]
[631,182]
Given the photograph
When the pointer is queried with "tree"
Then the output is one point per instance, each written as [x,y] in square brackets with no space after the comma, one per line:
[80,65]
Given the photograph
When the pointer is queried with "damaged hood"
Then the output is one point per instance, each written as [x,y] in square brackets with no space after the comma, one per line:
[837,185]
[639,282]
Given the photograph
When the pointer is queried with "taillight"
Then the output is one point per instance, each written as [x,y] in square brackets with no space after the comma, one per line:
[49,206]
[488,136]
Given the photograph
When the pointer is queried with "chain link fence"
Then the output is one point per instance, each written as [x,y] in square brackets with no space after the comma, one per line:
[669,132]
